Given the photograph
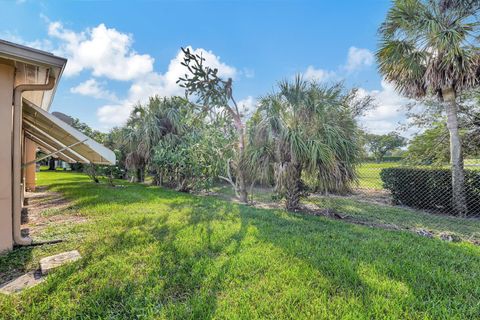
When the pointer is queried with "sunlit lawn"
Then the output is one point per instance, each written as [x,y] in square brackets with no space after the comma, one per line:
[153,253]
[414,220]
[369,174]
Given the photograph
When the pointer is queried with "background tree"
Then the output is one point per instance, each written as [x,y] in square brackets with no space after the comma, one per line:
[147,126]
[381,145]
[216,94]
[193,160]
[430,147]
[304,130]
[430,48]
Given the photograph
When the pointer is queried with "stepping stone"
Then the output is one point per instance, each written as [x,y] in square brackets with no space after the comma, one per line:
[26,281]
[52,262]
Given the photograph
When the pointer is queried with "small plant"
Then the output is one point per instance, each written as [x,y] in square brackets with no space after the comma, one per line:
[92,171]
[109,173]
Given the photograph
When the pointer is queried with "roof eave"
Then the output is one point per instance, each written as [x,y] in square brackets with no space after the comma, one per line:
[24,54]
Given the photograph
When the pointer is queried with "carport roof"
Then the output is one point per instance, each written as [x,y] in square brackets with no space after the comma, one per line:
[52,134]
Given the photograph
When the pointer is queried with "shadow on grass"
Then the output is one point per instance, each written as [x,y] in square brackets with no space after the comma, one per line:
[467,228]
[179,258]
[13,263]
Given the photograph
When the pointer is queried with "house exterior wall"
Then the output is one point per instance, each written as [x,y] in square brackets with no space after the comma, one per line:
[6,94]
[30,152]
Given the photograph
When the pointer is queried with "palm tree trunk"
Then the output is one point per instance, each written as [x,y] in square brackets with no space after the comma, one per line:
[242,188]
[138,175]
[293,174]
[51,164]
[241,176]
[456,156]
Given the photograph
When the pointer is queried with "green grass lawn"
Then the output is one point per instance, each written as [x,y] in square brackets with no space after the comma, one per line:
[369,174]
[415,220]
[155,253]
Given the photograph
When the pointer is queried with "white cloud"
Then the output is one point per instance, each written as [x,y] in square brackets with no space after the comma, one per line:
[166,84]
[161,84]
[247,106]
[105,51]
[93,88]
[108,53]
[43,44]
[112,115]
[248,73]
[390,111]
[388,114]
[358,58]
[318,75]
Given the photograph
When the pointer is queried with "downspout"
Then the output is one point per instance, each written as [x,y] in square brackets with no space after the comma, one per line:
[17,155]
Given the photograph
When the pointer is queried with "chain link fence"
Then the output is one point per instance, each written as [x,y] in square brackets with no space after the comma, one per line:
[394,195]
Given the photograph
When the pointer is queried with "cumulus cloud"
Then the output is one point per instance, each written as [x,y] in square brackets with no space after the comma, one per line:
[248,73]
[108,53]
[112,115]
[93,88]
[390,111]
[358,58]
[105,51]
[318,75]
[247,106]
[388,114]
[163,84]
[40,44]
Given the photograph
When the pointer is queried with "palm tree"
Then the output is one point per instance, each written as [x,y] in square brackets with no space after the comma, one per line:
[429,48]
[304,131]
[145,128]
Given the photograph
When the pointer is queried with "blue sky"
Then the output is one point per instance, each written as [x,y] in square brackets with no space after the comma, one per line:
[120,52]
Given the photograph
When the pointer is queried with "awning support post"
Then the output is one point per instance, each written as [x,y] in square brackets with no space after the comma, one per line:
[52,153]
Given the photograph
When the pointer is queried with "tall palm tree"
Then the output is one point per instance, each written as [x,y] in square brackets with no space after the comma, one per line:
[430,48]
[304,130]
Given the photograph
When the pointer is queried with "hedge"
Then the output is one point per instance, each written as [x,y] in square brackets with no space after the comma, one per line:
[430,189]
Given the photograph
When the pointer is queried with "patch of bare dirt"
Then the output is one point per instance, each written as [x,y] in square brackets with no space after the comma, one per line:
[373,196]
[43,208]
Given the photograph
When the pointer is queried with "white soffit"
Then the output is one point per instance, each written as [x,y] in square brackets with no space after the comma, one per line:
[24,59]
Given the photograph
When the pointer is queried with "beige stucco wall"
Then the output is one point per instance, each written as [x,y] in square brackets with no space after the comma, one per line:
[30,155]
[6,92]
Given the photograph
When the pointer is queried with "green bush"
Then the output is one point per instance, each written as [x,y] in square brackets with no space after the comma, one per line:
[430,188]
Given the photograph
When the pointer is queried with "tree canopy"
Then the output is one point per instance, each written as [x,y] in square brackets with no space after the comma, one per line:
[381,145]
[304,131]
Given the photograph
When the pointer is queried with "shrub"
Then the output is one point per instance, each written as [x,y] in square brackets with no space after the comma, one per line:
[430,189]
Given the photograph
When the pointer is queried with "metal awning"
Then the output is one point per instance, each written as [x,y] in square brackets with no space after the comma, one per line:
[53,135]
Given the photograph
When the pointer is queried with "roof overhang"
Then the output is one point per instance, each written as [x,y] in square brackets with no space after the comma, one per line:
[14,51]
[33,66]
[52,134]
